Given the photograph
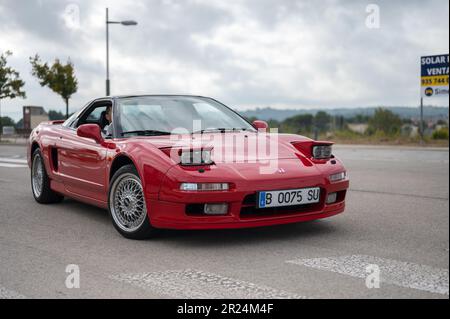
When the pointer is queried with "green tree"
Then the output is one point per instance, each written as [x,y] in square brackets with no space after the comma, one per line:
[301,123]
[10,83]
[385,121]
[6,121]
[60,78]
[322,121]
[55,115]
[441,134]
[273,124]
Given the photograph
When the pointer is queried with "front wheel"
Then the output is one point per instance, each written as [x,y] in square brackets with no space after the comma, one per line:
[126,203]
[40,182]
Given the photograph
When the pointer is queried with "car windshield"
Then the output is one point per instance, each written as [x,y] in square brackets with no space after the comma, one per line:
[164,115]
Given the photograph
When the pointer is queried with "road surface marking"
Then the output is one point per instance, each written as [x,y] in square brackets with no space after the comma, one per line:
[12,165]
[10,294]
[404,274]
[13,162]
[192,284]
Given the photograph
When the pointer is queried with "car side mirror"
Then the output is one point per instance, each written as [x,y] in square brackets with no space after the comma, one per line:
[91,131]
[261,125]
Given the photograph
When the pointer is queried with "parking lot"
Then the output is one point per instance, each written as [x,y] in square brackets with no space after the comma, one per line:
[396,219]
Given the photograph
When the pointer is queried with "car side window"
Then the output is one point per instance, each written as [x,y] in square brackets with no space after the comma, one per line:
[94,116]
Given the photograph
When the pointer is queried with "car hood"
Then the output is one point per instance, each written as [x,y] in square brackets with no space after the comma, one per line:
[231,147]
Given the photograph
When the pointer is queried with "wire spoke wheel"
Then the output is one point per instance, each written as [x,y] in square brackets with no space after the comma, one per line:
[127,203]
[37,175]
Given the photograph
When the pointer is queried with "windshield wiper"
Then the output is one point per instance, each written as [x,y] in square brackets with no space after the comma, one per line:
[220,130]
[147,133]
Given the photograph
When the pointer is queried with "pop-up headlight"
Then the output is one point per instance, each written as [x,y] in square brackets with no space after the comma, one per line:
[196,157]
[322,151]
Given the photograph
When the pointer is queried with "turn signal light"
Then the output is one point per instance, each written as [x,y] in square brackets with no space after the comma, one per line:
[204,187]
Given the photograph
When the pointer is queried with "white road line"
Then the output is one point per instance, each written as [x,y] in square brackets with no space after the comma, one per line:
[12,165]
[192,284]
[10,294]
[13,160]
[404,274]
[10,162]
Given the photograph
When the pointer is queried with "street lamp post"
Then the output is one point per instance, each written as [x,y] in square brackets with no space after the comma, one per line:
[125,23]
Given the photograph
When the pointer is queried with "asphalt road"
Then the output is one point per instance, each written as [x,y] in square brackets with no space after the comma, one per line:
[396,224]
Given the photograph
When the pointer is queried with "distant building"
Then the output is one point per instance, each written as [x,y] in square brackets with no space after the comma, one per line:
[8,130]
[33,116]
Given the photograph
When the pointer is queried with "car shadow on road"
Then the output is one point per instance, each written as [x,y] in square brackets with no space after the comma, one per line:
[221,237]
[249,236]
[80,208]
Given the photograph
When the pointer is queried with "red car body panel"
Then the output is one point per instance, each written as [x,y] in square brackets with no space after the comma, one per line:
[80,168]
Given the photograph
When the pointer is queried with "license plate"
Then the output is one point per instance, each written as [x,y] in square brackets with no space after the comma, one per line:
[290,197]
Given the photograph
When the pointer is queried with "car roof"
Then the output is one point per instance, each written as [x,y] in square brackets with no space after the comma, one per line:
[150,95]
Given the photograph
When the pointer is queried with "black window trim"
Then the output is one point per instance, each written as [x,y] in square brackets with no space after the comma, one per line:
[87,108]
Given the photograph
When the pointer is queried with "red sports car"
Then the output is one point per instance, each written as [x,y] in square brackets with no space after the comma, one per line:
[183,162]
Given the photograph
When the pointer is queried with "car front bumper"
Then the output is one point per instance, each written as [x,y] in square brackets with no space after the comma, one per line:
[180,211]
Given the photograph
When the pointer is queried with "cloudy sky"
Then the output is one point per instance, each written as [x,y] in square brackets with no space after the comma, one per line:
[246,53]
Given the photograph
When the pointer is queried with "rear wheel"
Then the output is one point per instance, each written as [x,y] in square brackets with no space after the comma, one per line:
[40,182]
[126,203]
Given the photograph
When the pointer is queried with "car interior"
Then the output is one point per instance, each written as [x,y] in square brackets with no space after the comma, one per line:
[95,115]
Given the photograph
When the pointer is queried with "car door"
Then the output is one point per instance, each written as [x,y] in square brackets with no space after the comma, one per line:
[82,161]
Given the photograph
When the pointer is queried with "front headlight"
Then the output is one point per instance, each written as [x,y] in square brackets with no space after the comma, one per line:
[322,151]
[338,177]
[196,157]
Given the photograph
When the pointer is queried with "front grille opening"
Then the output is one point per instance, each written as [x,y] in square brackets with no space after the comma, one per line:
[341,196]
[249,200]
[195,209]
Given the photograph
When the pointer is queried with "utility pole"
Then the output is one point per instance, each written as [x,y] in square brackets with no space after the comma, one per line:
[108,90]
[421,128]
[124,23]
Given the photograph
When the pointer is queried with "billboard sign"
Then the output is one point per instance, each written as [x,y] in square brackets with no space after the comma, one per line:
[434,75]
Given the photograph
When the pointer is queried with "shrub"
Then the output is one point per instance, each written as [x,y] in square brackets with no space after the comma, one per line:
[441,134]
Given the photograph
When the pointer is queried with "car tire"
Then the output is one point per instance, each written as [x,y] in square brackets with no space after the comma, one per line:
[40,182]
[126,205]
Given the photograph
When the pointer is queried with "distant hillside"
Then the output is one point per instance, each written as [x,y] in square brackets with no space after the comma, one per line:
[404,112]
